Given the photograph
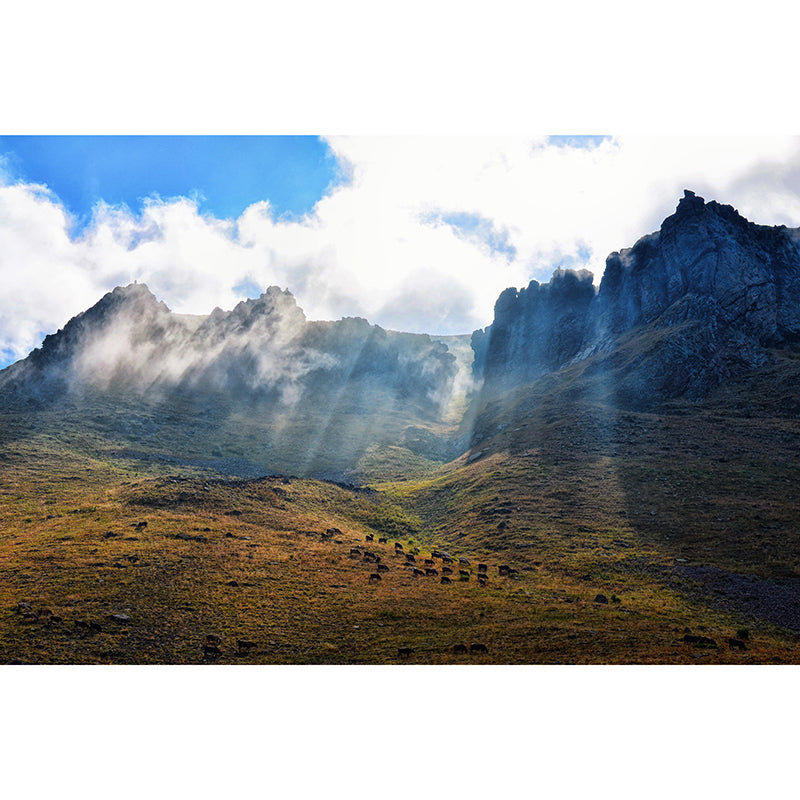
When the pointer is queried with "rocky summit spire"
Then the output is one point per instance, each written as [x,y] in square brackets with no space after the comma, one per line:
[689,203]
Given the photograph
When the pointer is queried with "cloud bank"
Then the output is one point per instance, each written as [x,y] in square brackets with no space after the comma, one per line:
[423,235]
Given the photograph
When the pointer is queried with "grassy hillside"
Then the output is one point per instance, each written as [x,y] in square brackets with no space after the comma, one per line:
[89,532]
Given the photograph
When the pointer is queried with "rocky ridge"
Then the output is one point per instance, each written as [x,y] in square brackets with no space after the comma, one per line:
[706,297]
[264,349]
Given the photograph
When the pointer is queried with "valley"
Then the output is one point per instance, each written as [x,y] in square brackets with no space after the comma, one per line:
[600,476]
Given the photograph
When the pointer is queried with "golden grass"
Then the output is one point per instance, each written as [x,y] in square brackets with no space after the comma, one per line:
[580,499]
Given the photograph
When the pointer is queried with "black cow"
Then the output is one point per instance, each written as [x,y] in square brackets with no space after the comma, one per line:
[478,648]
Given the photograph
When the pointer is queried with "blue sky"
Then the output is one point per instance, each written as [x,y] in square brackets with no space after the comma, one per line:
[224,173]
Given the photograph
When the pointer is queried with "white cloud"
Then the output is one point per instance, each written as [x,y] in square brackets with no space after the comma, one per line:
[366,245]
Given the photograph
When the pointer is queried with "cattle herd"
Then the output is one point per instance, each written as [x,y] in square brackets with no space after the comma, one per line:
[429,569]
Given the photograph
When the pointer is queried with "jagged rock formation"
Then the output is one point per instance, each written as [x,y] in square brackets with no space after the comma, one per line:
[263,349]
[259,385]
[682,311]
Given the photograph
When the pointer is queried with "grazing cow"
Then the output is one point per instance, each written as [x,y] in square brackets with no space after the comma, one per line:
[447,571]
[429,562]
[326,536]
[212,638]
[333,531]
[463,575]
[369,537]
[435,554]
[736,644]
[482,580]
[355,552]
[140,525]
[211,650]
[417,571]
[459,648]
[383,568]
[398,546]
[431,571]
[404,652]
[483,567]
[244,646]
[410,559]
[512,573]
[369,556]
[381,540]
[503,569]
[447,560]
[478,648]
[464,562]
[374,577]
[445,579]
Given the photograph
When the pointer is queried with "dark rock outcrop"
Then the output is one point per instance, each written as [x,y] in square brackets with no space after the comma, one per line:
[703,299]
[535,330]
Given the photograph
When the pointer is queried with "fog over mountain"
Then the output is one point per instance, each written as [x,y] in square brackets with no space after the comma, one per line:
[685,310]
[341,386]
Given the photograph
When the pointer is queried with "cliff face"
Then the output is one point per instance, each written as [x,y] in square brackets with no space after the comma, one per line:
[683,310]
[535,330]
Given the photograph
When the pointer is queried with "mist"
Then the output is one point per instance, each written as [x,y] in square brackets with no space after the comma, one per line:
[259,382]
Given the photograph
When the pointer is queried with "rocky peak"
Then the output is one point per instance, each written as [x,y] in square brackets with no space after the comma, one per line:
[274,316]
[725,288]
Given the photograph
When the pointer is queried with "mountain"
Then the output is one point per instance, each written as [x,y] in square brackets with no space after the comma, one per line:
[703,300]
[259,382]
